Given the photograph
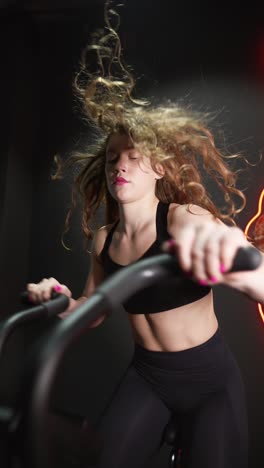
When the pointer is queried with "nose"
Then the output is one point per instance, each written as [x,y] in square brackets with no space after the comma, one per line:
[121,163]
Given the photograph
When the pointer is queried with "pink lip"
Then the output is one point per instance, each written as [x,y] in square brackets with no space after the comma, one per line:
[120,181]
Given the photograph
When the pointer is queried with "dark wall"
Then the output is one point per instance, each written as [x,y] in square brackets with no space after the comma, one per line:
[211,60]
[17,90]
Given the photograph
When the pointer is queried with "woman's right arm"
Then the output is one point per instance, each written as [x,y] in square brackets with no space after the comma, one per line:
[41,292]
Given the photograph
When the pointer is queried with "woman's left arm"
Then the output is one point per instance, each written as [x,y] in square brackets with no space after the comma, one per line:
[206,247]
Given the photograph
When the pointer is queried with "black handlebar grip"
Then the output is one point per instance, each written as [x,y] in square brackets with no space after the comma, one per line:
[247,258]
[24,297]
[57,304]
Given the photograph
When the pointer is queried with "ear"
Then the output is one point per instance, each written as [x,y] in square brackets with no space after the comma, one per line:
[160,171]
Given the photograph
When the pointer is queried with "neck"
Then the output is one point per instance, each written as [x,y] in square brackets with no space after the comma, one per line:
[133,216]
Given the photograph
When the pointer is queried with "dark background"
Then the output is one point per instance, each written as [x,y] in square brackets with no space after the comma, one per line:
[209,55]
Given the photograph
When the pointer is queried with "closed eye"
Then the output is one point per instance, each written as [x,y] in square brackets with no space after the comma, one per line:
[133,154]
[113,159]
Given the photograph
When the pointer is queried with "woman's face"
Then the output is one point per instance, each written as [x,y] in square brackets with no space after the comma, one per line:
[129,174]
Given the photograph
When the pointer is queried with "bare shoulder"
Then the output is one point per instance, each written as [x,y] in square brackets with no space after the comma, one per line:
[96,270]
[176,209]
[96,273]
[179,214]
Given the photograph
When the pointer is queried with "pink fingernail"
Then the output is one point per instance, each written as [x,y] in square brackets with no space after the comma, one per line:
[58,287]
[222,268]
[168,246]
[171,242]
[202,282]
[213,279]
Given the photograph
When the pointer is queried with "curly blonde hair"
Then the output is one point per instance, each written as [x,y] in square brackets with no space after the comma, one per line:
[175,137]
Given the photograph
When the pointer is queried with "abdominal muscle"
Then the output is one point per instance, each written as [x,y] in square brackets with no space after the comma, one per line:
[172,330]
[176,329]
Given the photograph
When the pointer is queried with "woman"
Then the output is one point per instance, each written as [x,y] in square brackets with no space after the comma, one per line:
[148,167]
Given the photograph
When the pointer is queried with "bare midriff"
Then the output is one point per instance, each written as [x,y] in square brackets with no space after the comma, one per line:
[172,330]
[176,329]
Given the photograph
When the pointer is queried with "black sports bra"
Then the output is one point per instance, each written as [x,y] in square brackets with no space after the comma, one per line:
[165,295]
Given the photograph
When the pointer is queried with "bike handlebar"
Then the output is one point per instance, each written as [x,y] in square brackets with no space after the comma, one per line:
[120,286]
[56,305]
[116,289]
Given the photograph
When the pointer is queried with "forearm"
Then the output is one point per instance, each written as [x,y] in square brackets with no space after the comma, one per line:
[256,293]
[73,304]
[255,288]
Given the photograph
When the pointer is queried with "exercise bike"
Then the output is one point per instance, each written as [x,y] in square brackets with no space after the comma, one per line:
[46,362]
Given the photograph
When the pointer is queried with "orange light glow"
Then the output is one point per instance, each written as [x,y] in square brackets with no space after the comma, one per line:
[260,202]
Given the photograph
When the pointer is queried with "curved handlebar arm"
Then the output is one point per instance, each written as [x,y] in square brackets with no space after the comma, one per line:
[120,286]
[56,305]
[117,288]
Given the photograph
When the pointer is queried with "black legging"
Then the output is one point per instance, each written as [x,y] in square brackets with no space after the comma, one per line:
[201,386]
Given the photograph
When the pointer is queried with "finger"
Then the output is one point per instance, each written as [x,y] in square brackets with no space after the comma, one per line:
[63,289]
[52,285]
[43,281]
[46,294]
[31,289]
[183,246]
[41,291]
[231,242]
[199,252]
[213,261]
[31,297]
[48,285]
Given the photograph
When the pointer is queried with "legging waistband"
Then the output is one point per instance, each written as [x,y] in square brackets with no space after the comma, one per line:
[174,359]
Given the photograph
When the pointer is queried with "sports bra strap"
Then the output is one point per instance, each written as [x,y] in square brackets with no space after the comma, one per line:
[161,221]
[108,239]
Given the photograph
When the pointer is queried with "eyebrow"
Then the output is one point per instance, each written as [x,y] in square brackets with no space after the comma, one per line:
[111,149]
